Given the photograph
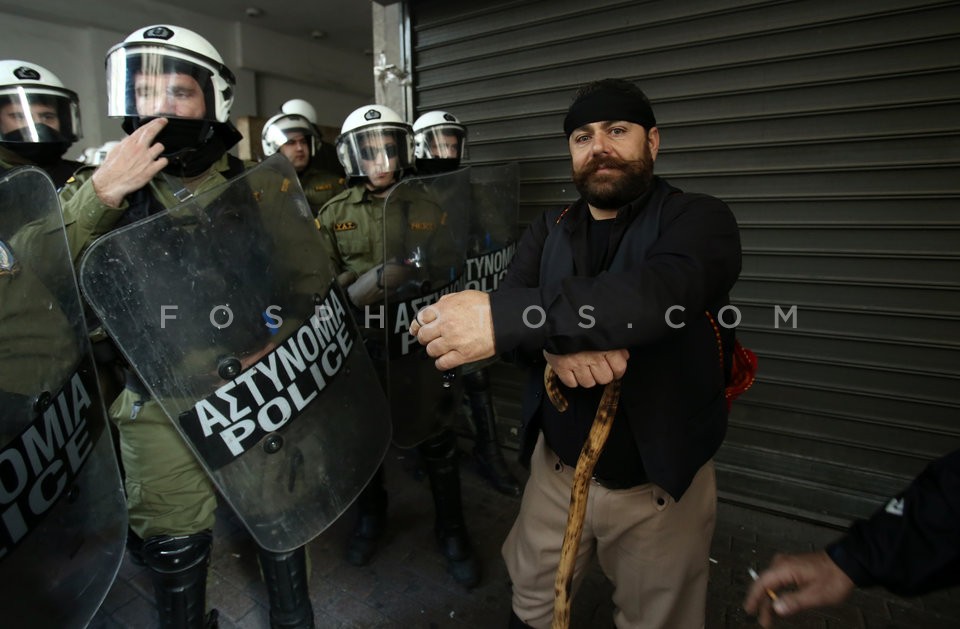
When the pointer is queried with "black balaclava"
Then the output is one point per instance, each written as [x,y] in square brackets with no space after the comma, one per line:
[192,146]
[48,149]
[437,166]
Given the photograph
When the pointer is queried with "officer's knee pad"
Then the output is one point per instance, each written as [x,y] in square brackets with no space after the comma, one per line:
[169,554]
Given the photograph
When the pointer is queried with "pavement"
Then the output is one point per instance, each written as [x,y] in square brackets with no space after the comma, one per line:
[406,584]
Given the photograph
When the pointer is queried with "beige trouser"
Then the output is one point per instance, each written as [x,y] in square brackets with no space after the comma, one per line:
[653,549]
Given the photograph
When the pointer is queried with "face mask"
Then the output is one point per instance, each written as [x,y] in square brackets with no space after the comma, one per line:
[192,146]
[45,135]
[37,152]
[179,136]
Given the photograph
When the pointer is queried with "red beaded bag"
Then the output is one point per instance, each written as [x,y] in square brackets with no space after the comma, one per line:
[743,369]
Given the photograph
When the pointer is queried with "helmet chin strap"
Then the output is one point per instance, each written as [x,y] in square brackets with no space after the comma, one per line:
[378,190]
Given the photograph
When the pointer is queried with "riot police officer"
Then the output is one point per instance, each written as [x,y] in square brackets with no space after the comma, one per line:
[440,140]
[325,156]
[368,239]
[39,119]
[296,136]
[174,93]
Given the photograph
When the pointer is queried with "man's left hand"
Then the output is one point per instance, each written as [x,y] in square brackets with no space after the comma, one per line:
[589,368]
[456,330]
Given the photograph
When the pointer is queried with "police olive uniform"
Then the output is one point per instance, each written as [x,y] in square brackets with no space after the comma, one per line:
[168,493]
[363,236]
[38,346]
[319,186]
[353,220]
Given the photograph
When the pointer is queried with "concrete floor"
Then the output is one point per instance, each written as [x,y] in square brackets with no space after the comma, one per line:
[406,584]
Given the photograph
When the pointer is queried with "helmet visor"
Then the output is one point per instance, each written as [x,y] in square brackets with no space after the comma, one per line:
[441,142]
[158,82]
[286,129]
[38,114]
[374,151]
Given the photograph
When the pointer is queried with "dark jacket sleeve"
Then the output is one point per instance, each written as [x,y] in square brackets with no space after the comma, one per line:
[523,273]
[694,262]
[912,545]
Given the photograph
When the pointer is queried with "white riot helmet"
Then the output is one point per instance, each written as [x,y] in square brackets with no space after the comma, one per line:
[438,135]
[374,134]
[138,69]
[300,107]
[277,131]
[37,113]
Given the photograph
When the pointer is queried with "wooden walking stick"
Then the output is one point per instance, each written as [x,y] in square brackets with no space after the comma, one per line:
[599,431]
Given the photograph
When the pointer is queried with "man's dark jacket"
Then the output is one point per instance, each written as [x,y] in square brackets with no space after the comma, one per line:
[671,255]
[911,545]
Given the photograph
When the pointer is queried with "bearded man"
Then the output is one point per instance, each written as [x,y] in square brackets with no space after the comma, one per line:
[625,283]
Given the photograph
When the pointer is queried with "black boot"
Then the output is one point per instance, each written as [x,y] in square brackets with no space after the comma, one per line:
[486,451]
[178,568]
[285,575]
[371,521]
[440,456]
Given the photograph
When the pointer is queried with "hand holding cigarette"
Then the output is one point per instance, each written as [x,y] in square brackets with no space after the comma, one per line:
[756,577]
[817,582]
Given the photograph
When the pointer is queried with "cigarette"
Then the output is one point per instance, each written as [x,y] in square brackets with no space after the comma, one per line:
[755,576]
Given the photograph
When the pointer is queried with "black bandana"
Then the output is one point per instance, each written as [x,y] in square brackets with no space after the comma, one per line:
[607,103]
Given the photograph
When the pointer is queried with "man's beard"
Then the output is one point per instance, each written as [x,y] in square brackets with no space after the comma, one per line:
[612,191]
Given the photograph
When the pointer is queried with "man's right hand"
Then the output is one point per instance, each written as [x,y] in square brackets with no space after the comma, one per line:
[130,165]
[819,582]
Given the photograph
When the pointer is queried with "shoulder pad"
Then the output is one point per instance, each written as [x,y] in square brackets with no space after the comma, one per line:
[79,174]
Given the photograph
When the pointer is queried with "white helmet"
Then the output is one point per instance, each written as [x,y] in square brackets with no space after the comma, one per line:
[365,134]
[35,107]
[94,156]
[300,107]
[155,51]
[277,129]
[438,135]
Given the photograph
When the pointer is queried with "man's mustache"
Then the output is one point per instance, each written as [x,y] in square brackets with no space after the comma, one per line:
[593,166]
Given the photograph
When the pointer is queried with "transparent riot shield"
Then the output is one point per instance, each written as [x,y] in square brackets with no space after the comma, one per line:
[63,521]
[424,224]
[227,308]
[493,230]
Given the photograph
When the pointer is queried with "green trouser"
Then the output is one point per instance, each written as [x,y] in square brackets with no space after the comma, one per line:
[168,493]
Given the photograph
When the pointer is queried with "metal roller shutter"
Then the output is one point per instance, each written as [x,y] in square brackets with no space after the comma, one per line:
[831,129]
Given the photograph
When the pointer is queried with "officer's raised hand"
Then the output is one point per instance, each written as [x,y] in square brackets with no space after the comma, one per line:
[130,165]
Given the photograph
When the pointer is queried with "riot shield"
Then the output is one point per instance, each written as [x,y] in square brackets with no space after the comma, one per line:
[424,222]
[64,522]
[227,308]
[493,232]
[493,229]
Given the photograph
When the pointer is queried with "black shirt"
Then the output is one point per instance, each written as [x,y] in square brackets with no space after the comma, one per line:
[620,464]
